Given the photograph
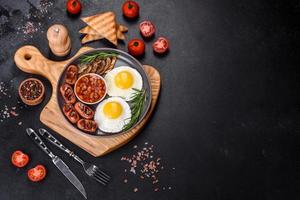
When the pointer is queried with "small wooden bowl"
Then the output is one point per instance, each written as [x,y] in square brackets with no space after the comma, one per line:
[35,101]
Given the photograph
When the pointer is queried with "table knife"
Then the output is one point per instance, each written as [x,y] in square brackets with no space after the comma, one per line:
[57,162]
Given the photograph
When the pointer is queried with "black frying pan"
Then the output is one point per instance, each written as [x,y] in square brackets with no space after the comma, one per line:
[123,59]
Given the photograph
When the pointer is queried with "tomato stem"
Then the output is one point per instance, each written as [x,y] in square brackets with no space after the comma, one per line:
[129,5]
[136,44]
[74,4]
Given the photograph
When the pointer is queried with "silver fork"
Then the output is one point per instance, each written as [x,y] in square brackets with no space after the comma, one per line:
[90,169]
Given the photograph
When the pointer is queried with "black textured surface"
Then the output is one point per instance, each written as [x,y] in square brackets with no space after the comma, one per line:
[227,118]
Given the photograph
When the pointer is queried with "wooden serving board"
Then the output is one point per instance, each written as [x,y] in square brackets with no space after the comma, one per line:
[29,59]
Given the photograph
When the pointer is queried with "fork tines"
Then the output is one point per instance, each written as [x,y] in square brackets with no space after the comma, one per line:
[100,176]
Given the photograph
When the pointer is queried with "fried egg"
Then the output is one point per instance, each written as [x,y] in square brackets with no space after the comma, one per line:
[112,115]
[121,80]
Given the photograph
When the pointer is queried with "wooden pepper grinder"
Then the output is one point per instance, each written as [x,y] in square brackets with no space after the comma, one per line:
[59,40]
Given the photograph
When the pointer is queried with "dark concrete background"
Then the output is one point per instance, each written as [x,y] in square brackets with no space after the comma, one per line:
[227,118]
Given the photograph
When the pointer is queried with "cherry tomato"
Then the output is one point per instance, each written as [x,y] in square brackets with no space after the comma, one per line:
[19,159]
[147,29]
[37,173]
[136,47]
[130,9]
[73,7]
[161,45]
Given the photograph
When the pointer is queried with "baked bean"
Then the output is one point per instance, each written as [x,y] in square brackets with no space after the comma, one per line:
[90,88]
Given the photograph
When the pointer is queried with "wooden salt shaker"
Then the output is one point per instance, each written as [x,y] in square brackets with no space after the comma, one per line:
[59,40]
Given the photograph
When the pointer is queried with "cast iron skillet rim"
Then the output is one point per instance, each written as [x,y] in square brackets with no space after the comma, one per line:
[105,49]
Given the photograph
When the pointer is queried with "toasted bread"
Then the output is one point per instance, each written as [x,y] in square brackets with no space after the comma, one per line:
[88,30]
[89,38]
[104,24]
[93,35]
[122,28]
[120,35]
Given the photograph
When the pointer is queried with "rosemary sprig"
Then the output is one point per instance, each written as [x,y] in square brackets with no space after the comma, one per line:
[89,58]
[137,101]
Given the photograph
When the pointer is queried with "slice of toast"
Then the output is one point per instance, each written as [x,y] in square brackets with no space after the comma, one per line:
[95,36]
[88,30]
[123,28]
[88,38]
[104,24]
[91,31]
[120,35]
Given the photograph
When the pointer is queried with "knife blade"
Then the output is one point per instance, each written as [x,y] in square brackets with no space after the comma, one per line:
[57,162]
[69,175]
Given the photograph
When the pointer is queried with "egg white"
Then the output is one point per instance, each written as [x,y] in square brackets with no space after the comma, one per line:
[113,90]
[112,125]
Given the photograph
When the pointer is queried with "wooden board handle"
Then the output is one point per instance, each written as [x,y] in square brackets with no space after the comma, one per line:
[29,59]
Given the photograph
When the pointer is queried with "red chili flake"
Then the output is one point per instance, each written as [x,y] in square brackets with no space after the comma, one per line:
[31,89]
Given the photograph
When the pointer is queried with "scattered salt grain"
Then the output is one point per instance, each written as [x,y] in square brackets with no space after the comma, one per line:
[135,189]
[29,28]
[145,165]
[7,111]
[32,22]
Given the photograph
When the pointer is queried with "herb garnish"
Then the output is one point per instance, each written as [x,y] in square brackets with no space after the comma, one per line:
[137,101]
[89,58]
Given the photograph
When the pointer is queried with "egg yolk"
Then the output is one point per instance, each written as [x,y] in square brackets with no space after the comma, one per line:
[112,110]
[124,80]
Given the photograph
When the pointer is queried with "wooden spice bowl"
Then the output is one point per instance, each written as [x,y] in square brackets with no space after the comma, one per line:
[34,91]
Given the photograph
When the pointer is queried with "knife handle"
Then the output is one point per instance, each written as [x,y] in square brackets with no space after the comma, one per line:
[57,143]
[39,142]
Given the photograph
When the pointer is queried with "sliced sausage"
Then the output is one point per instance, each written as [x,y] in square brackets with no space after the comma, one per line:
[67,93]
[71,74]
[87,125]
[84,110]
[71,113]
